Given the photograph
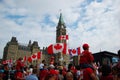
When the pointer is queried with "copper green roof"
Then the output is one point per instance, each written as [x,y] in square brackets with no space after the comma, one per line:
[61,21]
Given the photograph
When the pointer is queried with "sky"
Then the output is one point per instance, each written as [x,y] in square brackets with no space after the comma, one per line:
[96,22]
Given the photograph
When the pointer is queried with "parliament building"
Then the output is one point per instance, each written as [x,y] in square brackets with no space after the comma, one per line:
[14,50]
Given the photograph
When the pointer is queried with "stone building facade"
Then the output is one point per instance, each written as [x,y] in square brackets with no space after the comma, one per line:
[14,50]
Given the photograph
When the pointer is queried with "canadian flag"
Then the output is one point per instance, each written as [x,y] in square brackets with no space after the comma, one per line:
[63,37]
[74,52]
[7,61]
[4,62]
[56,48]
[36,56]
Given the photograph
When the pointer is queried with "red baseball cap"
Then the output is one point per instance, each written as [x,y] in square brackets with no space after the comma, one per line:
[85,46]
[53,72]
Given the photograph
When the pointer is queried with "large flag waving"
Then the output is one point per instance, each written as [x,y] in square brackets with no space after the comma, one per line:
[74,52]
[55,48]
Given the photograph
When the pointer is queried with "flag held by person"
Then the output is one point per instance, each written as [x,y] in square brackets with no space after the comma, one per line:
[35,56]
[74,52]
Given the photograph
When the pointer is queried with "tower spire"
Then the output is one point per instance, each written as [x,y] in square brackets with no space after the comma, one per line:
[61,21]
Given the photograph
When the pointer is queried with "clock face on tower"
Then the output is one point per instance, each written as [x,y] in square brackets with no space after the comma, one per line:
[62,26]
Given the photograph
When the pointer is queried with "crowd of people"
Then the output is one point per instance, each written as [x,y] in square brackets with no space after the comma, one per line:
[86,70]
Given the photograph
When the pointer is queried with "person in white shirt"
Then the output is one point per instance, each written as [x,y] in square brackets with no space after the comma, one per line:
[42,65]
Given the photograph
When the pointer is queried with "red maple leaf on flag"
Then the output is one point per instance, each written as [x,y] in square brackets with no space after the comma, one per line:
[34,56]
[29,59]
[58,46]
[74,51]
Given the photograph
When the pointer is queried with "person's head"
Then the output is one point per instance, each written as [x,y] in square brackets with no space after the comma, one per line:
[69,76]
[51,66]
[20,59]
[45,66]
[69,66]
[77,67]
[85,46]
[43,61]
[34,71]
[52,75]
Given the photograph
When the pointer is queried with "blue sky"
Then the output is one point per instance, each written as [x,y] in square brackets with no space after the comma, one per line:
[95,22]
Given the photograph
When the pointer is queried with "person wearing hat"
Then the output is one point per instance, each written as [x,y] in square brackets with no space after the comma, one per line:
[86,57]
[86,67]
[52,75]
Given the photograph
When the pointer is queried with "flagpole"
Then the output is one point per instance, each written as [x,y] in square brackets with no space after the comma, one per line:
[61,56]
[9,65]
[68,46]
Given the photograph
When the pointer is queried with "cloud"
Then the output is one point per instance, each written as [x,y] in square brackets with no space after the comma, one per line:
[106,26]
[95,22]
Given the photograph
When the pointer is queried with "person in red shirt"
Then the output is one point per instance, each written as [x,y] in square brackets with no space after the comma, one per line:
[87,74]
[52,75]
[86,57]
[44,72]
[19,64]
[19,75]
[87,71]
